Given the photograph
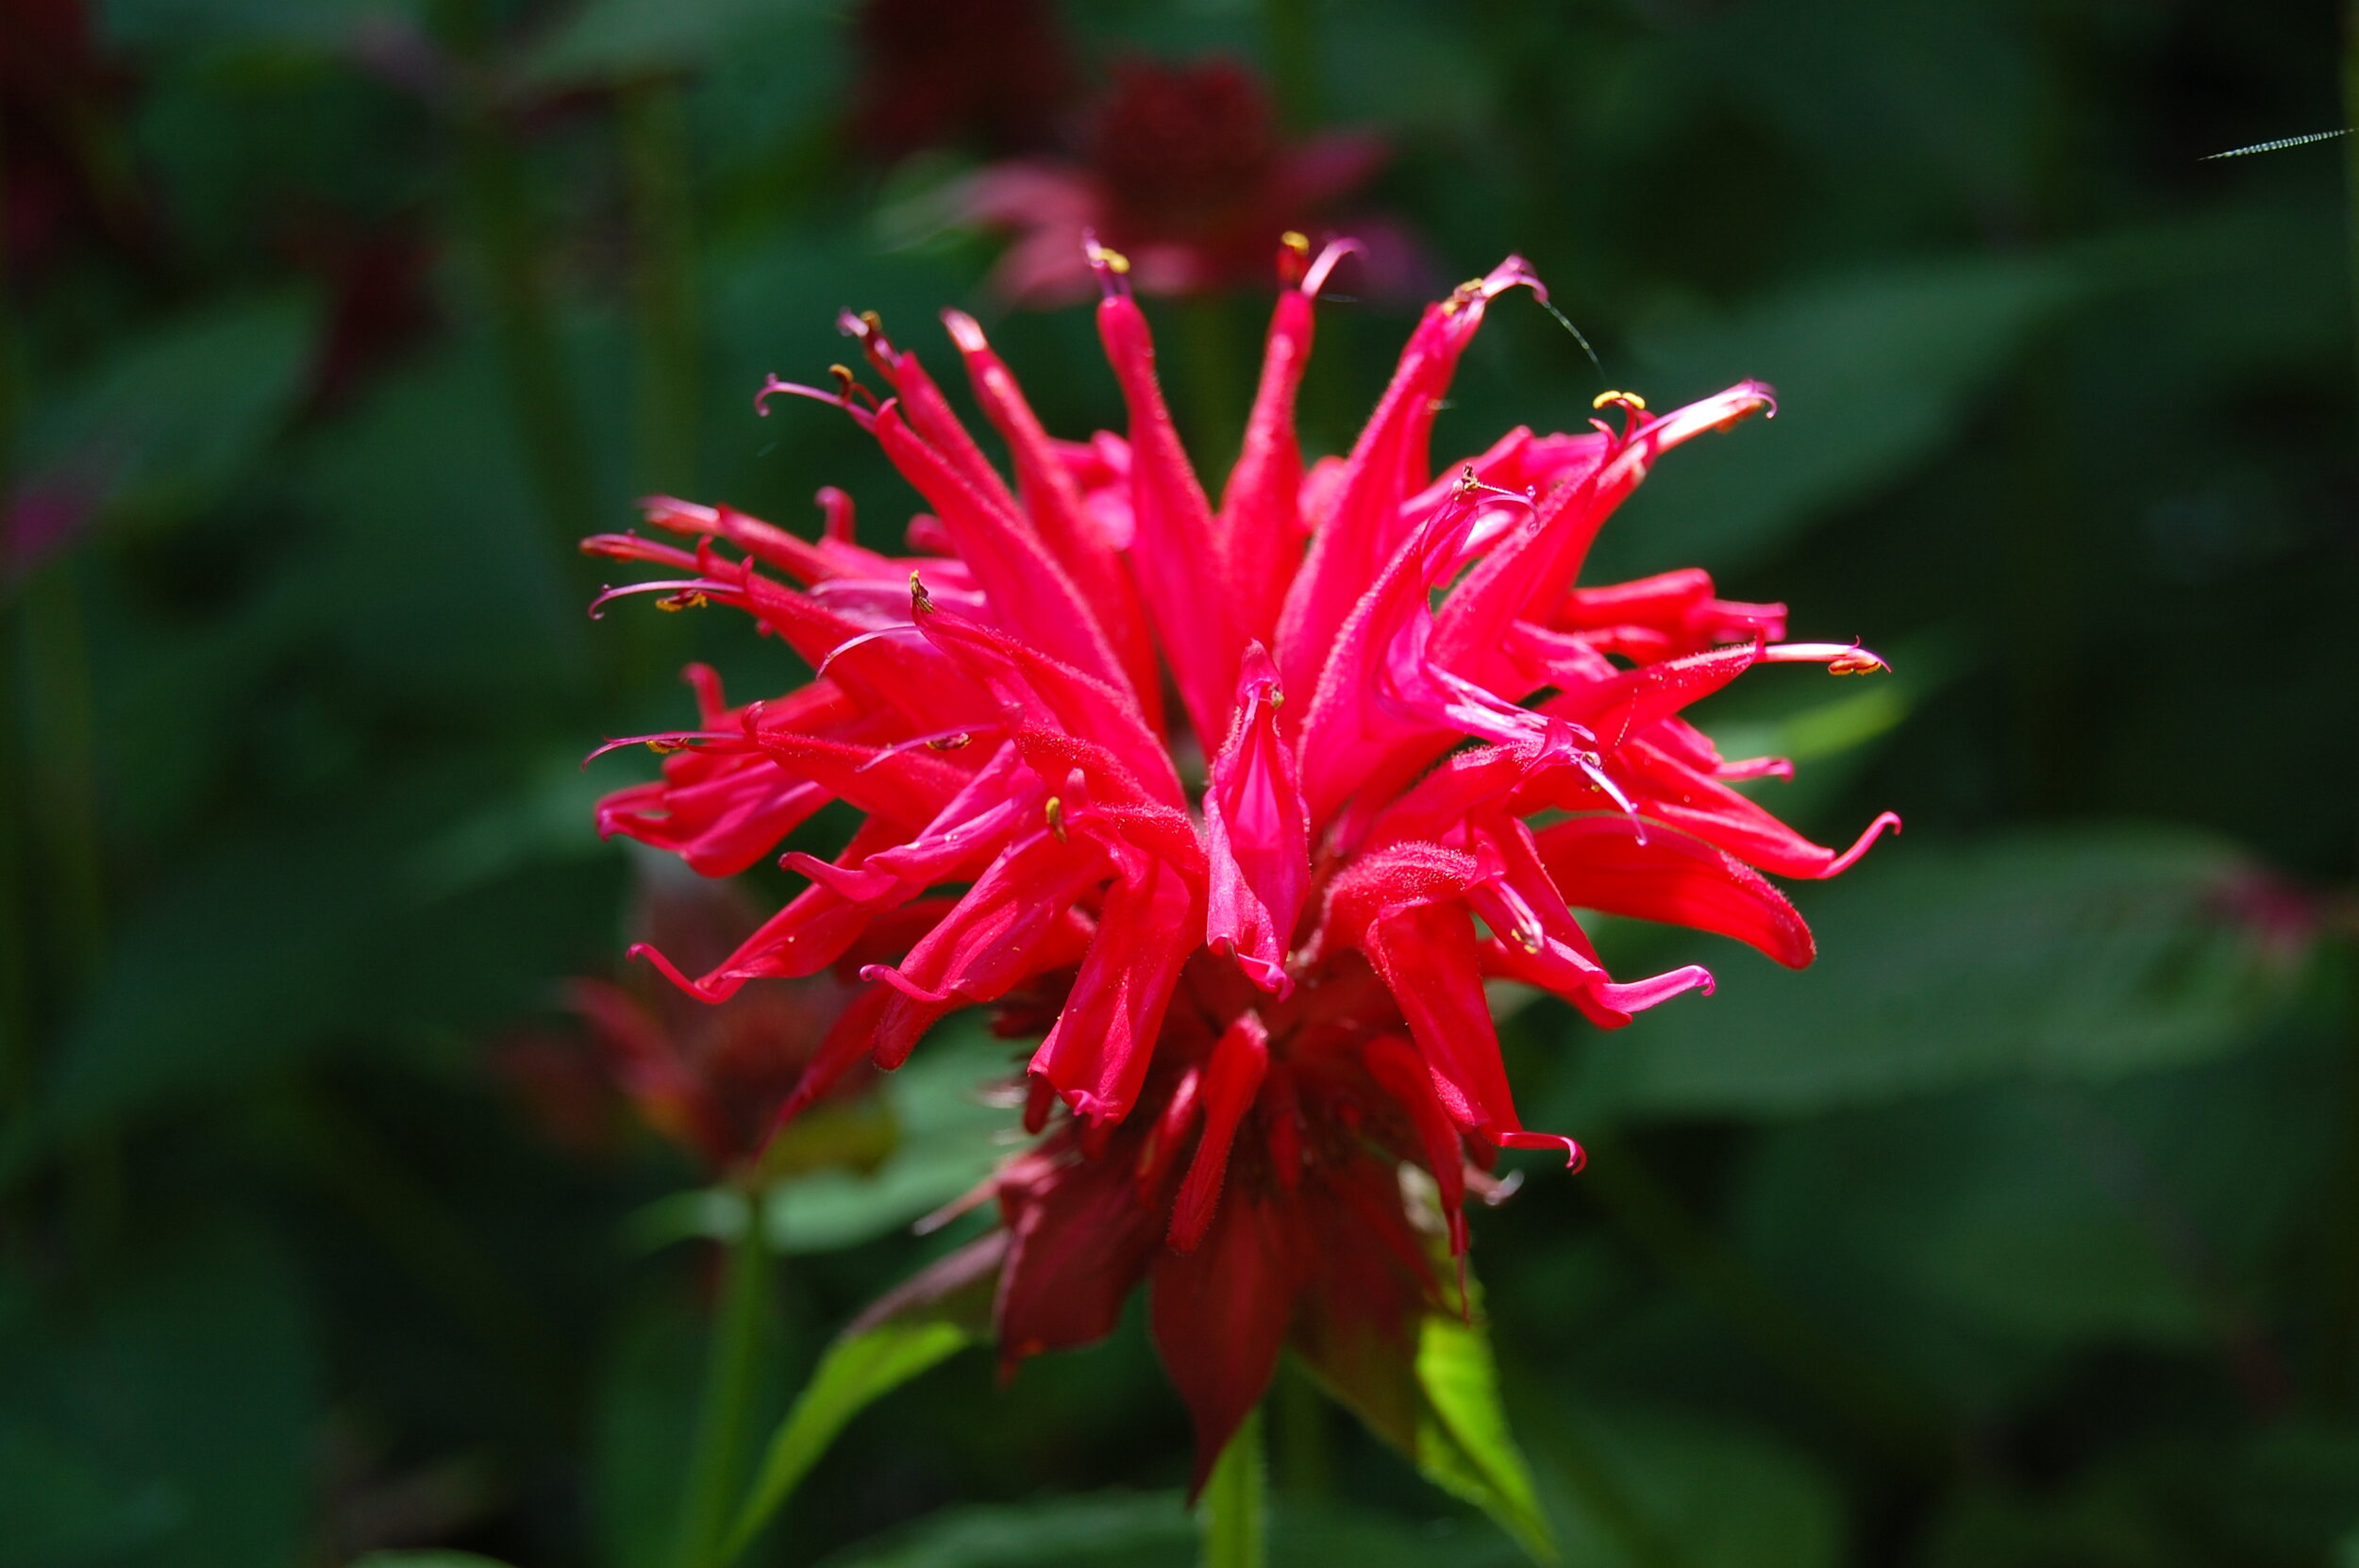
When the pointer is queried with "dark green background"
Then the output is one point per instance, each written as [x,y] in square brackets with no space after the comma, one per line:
[2024,1230]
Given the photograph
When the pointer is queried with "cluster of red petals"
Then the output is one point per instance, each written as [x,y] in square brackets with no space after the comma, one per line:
[938,72]
[1183,170]
[710,1078]
[1260,976]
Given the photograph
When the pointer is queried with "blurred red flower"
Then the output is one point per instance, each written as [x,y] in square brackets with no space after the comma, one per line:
[996,74]
[708,1077]
[1184,172]
[1260,979]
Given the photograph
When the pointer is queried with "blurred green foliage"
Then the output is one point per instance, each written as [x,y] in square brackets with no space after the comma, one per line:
[2019,1232]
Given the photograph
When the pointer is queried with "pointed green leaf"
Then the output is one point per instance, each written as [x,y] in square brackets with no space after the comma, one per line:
[2081,956]
[928,1320]
[1464,1445]
[1235,1508]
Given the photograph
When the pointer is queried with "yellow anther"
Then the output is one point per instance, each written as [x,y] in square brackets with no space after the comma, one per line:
[1858,662]
[1630,399]
[664,749]
[688,598]
[920,598]
[950,742]
[1054,810]
[1297,242]
[1112,261]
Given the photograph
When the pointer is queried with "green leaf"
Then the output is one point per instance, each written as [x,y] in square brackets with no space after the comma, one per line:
[945,1138]
[610,41]
[426,1560]
[62,1505]
[170,1421]
[648,1385]
[1148,1530]
[1874,375]
[274,947]
[1636,1488]
[163,26]
[166,424]
[1234,1510]
[1463,1442]
[2080,956]
[2010,1224]
[1151,1529]
[929,1320]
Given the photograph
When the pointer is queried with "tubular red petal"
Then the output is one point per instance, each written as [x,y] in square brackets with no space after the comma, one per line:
[1600,863]
[1004,928]
[1030,681]
[1261,533]
[1427,955]
[1097,1054]
[1402,1073]
[1058,513]
[1362,528]
[1174,554]
[1230,1080]
[1257,833]
[1029,592]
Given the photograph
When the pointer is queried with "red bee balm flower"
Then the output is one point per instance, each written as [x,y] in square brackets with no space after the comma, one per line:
[1262,991]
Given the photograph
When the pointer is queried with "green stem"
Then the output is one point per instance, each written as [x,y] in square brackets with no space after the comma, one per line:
[717,1458]
[655,157]
[1212,382]
[2340,1346]
[1306,1467]
[16,966]
[1292,60]
[352,1161]
[1897,1423]
[16,990]
[1234,1512]
[499,212]
[67,811]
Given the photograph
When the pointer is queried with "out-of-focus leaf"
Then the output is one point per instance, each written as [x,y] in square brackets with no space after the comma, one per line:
[59,1505]
[1463,1442]
[278,943]
[1874,374]
[1984,1208]
[945,1138]
[193,1382]
[1639,1488]
[440,573]
[1110,1530]
[949,1139]
[1151,1529]
[552,816]
[167,421]
[647,1390]
[426,1560]
[179,24]
[1233,1511]
[618,40]
[1973,1238]
[2081,956]
[2283,1495]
